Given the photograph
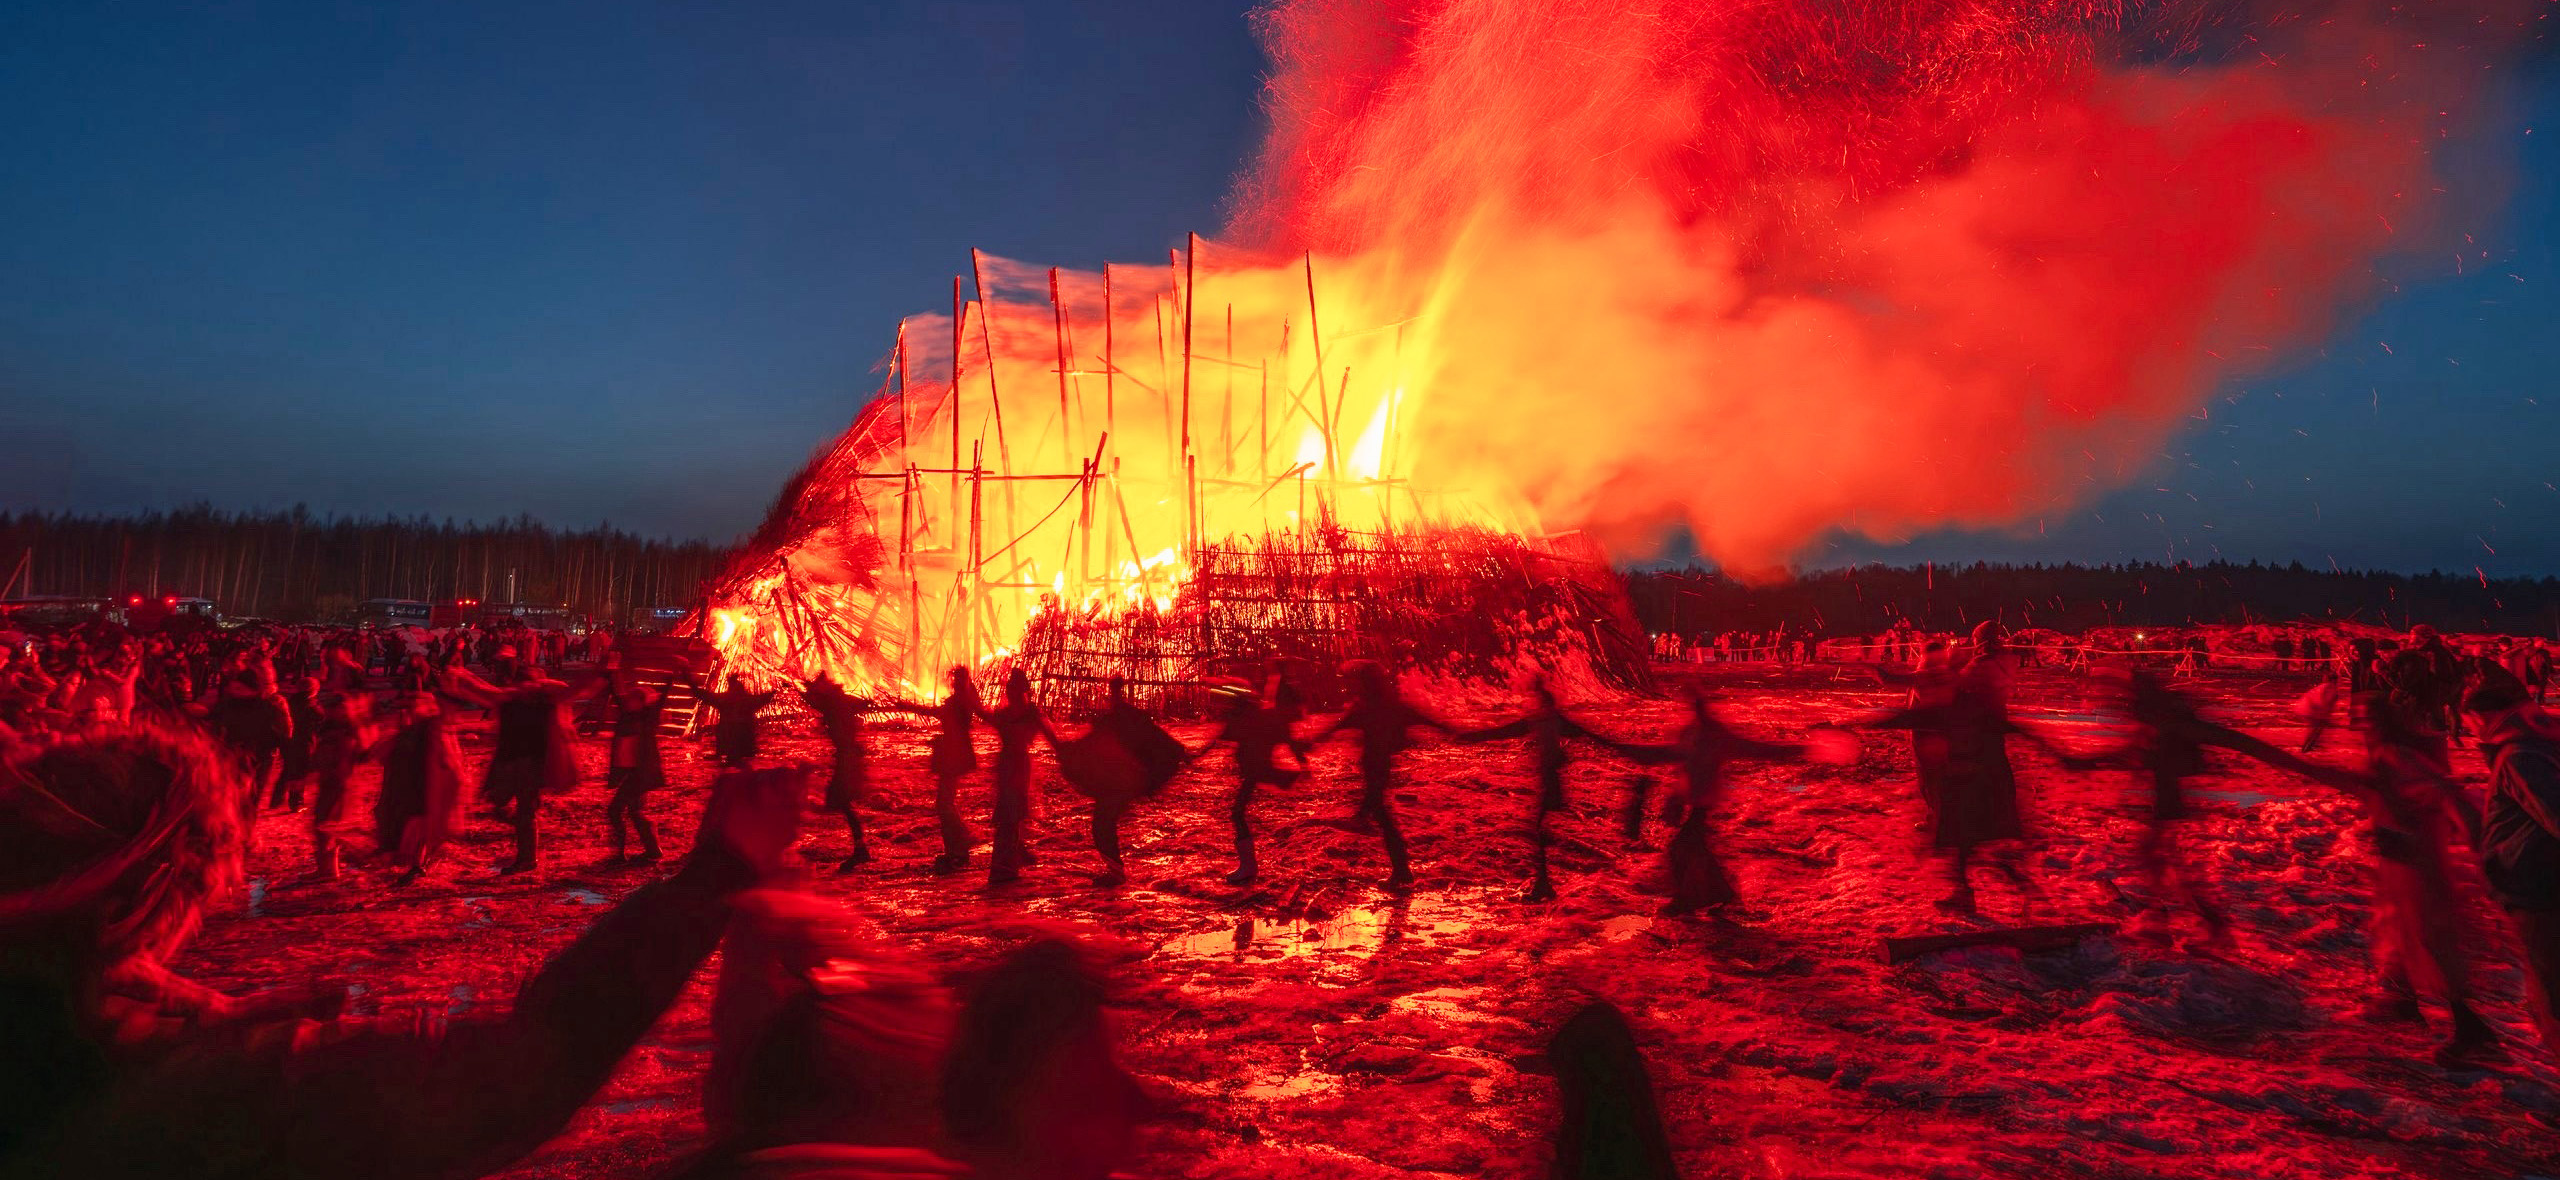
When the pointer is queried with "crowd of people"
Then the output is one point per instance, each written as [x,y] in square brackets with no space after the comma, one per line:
[138,767]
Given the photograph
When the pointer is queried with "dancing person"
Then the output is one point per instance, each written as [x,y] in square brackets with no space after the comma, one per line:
[122,1068]
[294,765]
[2166,745]
[2423,936]
[840,713]
[253,722]
[2520,834]
[635,767]
[413,813]
[341,740]
[1547,729]
[1257,731]
[735,739]
[952,756]
[1016,721]
[1124,756]
[1974,813]
[533,754]
[1705,752]
[1383,721]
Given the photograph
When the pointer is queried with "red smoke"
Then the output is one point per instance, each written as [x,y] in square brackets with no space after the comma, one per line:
[1778,268]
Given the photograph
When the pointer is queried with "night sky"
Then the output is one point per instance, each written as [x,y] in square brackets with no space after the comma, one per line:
[631,263]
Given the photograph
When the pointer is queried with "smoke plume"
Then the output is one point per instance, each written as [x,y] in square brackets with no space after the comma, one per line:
[1775,269]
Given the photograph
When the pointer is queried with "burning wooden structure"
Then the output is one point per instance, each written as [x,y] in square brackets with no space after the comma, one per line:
[1089,476]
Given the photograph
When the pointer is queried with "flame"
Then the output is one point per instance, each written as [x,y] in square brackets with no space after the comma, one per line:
[1768,271]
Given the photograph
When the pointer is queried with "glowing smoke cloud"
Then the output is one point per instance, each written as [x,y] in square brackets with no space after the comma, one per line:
[1773,269]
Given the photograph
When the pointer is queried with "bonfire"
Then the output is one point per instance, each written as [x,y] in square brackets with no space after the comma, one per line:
[1123,479]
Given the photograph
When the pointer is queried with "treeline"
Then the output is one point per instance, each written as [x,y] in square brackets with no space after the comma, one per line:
[296,567]
[2074,598]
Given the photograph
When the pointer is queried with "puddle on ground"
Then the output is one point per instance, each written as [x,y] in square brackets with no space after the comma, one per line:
[258,897]
[2236,798]
[1359,931]
[1295,1086]
[463,998]
[636,1105]
[1624,926]
[478,907]
[583,897]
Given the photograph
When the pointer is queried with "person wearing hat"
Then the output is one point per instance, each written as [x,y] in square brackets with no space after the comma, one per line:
[1258,731]
[1384,721]
[2520,832]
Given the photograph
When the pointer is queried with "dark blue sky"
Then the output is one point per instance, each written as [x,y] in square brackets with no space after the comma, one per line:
[632,262]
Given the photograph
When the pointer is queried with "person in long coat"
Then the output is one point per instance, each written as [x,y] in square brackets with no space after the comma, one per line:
[1125,756]
[1975,803]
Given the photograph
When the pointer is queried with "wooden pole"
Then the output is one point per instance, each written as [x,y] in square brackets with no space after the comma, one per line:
[1227,407]
[1110,359]
[1058,314]
[917,671]
[959,330]
[899,369]
[1315,338]
[1190,296]
[987,334]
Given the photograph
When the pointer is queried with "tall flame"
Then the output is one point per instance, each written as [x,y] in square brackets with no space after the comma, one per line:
[1765,270]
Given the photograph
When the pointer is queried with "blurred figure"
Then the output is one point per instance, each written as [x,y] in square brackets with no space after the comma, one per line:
[302,704]
[1706,748]
[1547,729]
[413,814]
[735,740]
[1975,802]
[953,757]
[340,742]
[533,754]
[1608,1125]
[1384,721]
[1258,731]
[1124,757]
[111,1066]
[2520,834]
[635,767]
[1031,1090]
[1016,722]
[841,714]
[2167,745]
[2424,681]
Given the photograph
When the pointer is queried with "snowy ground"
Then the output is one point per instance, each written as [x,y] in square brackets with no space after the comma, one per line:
[1316,1026]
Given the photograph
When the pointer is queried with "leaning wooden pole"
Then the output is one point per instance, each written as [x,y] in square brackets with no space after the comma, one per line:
[995,396]
[1058,321]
